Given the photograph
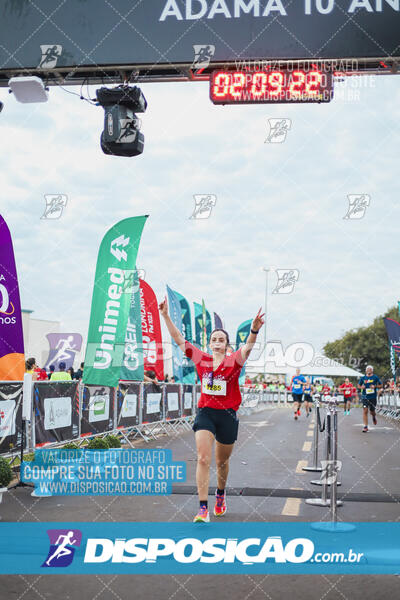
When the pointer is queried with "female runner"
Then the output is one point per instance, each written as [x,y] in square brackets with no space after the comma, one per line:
[219,400]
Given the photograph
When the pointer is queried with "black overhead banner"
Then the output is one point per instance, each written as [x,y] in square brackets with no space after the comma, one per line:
[10,416]
[56,411]
[79,33]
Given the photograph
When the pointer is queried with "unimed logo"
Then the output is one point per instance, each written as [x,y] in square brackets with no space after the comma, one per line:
[62,547]
[190,550]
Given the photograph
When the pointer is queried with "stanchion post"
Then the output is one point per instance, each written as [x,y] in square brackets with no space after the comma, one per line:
[315,466]
[323,501]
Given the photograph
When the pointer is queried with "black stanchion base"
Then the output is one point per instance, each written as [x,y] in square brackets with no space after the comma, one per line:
[316,469]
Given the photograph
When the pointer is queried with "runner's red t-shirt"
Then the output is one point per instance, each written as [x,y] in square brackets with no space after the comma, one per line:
[326,390]
[347,389]
[219,388]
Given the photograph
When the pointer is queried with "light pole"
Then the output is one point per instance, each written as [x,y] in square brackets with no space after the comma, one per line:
[266,315]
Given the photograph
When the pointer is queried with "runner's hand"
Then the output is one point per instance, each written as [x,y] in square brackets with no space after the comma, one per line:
[258,321]
[163,306]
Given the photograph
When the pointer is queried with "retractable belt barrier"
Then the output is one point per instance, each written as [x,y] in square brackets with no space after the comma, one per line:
[330,466]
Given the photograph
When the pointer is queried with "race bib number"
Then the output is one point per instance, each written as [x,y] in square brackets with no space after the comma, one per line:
[297,386]
[370,390]
[217,388]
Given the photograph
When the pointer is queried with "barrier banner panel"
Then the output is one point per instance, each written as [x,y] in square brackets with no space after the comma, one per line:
[97,409]
[188,405]
[128,404]
[56,411]
[10,416]
[250,399]
[152,409]
[172,398]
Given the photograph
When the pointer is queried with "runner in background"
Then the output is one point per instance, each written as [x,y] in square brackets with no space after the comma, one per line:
[297,385]
[369,385]
[349,391]
[326,390]
[308,391]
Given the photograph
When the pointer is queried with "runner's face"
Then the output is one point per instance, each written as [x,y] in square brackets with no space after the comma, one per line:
[369,372]
[218,342]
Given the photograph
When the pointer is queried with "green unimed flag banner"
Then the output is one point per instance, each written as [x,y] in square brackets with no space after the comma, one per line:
[133,364]
[111,302]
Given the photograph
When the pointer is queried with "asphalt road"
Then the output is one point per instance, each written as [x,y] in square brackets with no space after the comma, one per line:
[266,483]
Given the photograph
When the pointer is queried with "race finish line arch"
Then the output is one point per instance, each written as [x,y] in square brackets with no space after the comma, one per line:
[183,40]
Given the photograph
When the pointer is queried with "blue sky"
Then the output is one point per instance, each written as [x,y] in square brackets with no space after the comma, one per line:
[278,205]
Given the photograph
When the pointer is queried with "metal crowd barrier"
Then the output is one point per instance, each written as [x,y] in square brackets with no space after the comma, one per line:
[65,411]
[388,405]
[69,411]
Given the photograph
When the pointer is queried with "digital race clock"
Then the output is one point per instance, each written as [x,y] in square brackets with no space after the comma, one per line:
[275,86]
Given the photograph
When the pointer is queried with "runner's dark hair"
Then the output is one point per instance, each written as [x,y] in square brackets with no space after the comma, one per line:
[223,331]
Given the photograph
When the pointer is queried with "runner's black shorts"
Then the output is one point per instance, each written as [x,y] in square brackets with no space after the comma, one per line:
[297,397]
[369,403]
[223,423]
[308,398]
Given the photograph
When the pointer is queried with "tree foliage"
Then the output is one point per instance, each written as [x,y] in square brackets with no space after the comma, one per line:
[360,347]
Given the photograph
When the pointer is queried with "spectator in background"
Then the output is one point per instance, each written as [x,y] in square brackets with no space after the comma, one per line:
[30,365]
[51,371]
[172,380]
[71,372]
[62,374]
[79,372]
[166,379]
[41,374]
[150,377]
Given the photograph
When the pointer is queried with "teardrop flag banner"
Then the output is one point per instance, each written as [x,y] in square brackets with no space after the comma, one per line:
[12,359]
[151,331]
[111,302]
[188,368]
[218,322]
[198,323]
[241,336]
[132,364]
[176,317]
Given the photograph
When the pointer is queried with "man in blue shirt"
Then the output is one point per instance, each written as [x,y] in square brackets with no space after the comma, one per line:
[298,382]
[369,384]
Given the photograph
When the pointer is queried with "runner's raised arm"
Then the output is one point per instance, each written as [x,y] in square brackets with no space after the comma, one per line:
[173,330]
[256,325]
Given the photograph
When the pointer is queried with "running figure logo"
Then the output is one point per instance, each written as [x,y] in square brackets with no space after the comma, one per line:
[63,543]
[278,129]
[204,204]
[330,470]
[357,206]
[55,204]
[286,281]
[202,56]
[50,55]
[130,275]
